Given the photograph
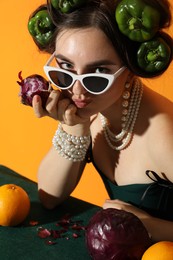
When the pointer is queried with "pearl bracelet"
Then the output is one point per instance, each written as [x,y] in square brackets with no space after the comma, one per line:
[71,147]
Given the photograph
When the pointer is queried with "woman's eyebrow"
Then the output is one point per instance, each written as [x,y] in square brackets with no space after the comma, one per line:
[62,57]
[101,63]
[92,64]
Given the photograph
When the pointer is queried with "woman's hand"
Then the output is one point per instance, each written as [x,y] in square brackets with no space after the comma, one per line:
[159,229]
[121,205]
[59,108]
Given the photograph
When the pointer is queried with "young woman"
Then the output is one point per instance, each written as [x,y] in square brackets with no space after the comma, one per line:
[105,114]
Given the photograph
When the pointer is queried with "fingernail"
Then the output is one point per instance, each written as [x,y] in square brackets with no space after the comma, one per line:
[37,98]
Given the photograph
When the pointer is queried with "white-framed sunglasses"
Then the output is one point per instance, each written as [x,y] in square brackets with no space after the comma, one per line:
[95,83]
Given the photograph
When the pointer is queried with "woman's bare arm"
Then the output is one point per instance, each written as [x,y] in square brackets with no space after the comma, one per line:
[57,178]
[159,229]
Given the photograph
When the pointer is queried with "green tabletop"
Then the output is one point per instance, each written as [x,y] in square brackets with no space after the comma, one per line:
[23,242]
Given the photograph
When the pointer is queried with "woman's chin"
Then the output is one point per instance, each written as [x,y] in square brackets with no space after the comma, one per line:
[84,113]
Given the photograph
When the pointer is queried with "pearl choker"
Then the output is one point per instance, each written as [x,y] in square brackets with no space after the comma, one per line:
[131,104]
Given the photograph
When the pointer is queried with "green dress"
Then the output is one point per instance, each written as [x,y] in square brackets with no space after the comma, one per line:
[155,197]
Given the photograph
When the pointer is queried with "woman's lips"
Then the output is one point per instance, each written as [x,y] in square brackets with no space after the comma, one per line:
[80,103]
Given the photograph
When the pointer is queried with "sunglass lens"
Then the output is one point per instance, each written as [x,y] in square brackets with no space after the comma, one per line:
[60,79]
[95,84]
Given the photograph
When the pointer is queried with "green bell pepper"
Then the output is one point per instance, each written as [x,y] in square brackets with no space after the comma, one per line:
[154,55]
[137,20]
[41,27]
[66,6]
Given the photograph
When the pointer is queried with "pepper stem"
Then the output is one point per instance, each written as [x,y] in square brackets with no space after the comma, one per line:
[40,27]
[152,56]
[61,2]
[134,23]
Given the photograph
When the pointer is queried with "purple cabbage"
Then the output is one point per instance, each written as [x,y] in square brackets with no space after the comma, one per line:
[116,235]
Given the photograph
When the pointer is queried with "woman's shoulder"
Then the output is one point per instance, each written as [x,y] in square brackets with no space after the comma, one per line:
[155,119]
[160,131]
[157,109]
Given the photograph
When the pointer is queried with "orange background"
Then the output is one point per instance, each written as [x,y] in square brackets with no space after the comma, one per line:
[25,139]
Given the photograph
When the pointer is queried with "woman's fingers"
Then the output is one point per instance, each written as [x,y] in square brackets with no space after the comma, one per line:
[51,105]
[70,114]
[118,204]
[58,107]
[37,106]
[62,106]
[121,205]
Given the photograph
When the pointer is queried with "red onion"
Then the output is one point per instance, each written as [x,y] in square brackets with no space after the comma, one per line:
[33,85]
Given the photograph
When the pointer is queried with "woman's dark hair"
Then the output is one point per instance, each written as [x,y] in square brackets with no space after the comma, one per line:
[101,14]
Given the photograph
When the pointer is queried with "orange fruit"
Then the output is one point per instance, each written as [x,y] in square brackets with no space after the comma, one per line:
[14,205]
[162,250]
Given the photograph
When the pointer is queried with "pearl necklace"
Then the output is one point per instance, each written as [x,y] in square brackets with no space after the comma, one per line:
[129,117]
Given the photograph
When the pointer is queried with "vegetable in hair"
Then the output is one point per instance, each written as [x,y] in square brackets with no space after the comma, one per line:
[137,20]
[41,27]
[66,6]
[154,55]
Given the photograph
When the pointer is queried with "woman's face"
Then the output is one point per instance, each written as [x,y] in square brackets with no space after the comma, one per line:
[89,51]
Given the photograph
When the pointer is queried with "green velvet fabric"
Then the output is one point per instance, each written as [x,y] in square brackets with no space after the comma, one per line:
[22,242]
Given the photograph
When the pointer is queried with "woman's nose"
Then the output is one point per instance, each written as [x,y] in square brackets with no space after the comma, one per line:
[78,88]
